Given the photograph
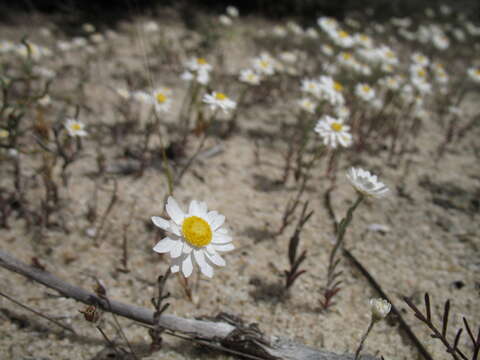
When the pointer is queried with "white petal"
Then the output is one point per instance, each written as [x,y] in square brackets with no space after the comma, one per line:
[187,249]
[165,245]
[224,247]
[205,268]
[177,249]
[216,220]
[220,238]
[202,207]
[175,229]
[174,211]
[187,266]
[215,259]
[161,223]
[193,208]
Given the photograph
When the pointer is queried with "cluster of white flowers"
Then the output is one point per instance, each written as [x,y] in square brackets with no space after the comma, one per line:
[324,88]
[25,50]
[198,69]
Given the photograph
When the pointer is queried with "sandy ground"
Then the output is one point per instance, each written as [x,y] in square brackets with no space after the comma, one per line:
[432,244]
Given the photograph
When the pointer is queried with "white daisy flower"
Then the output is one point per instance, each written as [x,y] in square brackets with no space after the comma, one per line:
[218,100]
[342,38]
[161,99]
[365,92]
[196,236]
[75,127]
[441,41]
[307,105]
[198,64]
[380,308]
[420,59]
[250,77]
[366,183]
[264,64]
[474,74]
[333,131]
[327,24]
[342,112]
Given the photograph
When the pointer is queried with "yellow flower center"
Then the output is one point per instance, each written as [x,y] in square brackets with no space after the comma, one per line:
[76,127]
[390,54]
[421,73]
[347,56]
[366,88]
[201,61]
[220,96]
[161,98]
[343,34]
[264,64]
[337,127]
[197,232]
[337,86]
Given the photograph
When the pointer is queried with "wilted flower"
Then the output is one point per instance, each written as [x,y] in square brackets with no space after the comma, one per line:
[365,183]
[197,235]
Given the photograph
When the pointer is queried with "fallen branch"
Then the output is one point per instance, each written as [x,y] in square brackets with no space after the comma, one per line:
[229,334]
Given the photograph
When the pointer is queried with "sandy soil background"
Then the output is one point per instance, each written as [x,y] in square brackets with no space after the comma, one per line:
[432,215]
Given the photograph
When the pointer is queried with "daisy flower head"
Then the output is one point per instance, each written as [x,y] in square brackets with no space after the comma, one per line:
[198,64]
[342,38]
[333,131]
[218,100]
[420,59]
[307,105]
[310,86]
[363,40]
[196,236]
[161,99]
[225,20]
[327,24]
[365,92]
[250,77]
[474,74]
[264,64]
[75,127]
[365,183]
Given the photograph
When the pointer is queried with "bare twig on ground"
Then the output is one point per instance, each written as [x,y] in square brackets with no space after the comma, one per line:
[208,331]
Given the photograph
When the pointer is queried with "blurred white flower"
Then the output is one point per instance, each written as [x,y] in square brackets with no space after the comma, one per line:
[250,77]
[333,131]
[88,28]
[218,100]
[366,183]
[474,74]
[196,236]
[225,20]
[307,105]
[161,98]
[232,11]
[365,92]
[75,127]
[264,64]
